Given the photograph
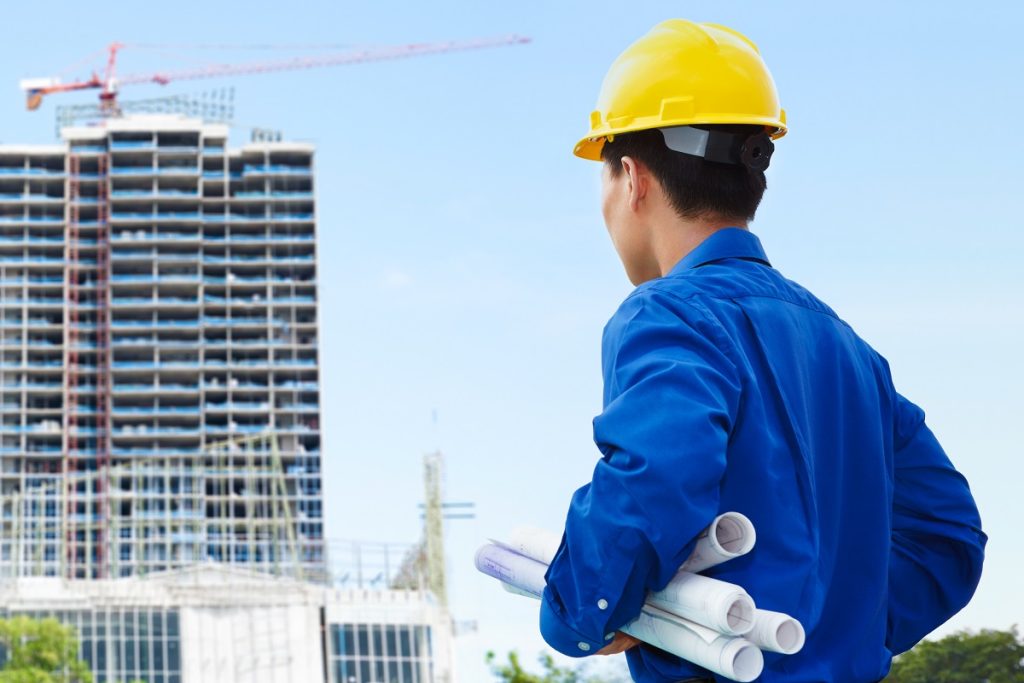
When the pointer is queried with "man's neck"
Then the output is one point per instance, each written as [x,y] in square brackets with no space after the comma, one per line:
[677,237]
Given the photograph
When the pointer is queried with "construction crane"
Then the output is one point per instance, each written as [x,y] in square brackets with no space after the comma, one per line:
[108,83]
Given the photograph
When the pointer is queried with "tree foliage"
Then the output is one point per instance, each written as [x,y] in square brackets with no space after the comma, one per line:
[963,657]
[512,671]
[41,651]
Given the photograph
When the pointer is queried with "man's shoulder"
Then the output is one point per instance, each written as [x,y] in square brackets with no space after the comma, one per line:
[716,291]
[658,304]
[736,281]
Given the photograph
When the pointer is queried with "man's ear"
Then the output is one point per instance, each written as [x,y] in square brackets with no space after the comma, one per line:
[637,181]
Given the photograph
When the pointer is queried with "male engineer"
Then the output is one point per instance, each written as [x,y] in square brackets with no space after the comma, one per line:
[729,387]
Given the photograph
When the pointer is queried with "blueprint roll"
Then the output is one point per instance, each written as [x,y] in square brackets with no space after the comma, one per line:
[729,656]
[509,567]
[518,591]
[537,544]
[730,535]
[776,632]
[721,606]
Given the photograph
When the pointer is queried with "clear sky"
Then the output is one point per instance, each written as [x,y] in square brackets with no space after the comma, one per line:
[465,267]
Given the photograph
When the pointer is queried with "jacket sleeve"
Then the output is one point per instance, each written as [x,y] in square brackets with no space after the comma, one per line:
[937,542]
[671,396]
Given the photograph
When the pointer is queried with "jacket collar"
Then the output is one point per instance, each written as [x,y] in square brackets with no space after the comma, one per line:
[723,244]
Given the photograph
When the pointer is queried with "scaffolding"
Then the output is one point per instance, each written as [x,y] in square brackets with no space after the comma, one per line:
[159,363]
[249,510]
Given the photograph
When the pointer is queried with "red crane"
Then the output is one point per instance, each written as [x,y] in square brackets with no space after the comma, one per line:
[108,84]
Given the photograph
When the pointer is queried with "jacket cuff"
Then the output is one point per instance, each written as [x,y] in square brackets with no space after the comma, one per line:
[561,636]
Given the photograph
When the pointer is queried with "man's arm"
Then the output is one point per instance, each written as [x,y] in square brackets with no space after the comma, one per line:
[937,542]
[671,396]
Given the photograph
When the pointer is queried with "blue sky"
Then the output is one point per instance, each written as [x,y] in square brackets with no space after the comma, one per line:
[465,267]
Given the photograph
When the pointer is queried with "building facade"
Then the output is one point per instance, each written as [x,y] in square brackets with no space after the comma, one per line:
[217,623]
[159,373]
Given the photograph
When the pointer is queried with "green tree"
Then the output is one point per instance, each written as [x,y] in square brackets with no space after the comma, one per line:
[963,657]
[512,671]
[40,651]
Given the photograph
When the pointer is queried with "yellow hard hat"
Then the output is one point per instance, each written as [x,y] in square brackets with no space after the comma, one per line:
[682,73]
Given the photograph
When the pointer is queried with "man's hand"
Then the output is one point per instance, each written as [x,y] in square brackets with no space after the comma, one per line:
[621,643]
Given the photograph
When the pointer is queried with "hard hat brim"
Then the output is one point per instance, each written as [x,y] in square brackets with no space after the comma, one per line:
[589,148]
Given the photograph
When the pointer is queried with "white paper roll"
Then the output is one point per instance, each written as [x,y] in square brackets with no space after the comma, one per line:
[729,656]
[709,602]
[509,567]
[518,591]
[730,535]
[537,544]
[776,632]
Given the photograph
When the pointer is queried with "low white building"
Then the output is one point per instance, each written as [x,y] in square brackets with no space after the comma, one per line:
[219,624]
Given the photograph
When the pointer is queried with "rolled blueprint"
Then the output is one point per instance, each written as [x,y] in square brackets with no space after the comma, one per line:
[729,656]
[776,632]
[509,567]
[518,591]
[537,544]
[730,535]
[721,606]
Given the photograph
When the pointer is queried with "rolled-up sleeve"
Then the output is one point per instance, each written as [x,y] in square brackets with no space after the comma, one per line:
[671,398]
[937,542]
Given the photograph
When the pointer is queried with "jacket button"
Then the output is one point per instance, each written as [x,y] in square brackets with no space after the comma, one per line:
[602,604]
[584,646]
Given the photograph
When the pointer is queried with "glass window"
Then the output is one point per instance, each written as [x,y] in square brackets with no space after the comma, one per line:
[349,639]
[172,624]
[173,656]
[391,638]
[417,643]
[128,624]
[348,667]
[378,640]
[158,624]
[143,623]
[407,672]
[405,646]
[363,637]
[337,642]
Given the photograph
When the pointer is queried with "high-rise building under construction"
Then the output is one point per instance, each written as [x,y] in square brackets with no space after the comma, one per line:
[158,353]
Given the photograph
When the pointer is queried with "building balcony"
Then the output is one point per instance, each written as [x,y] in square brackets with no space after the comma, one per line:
[276,169]
[29,171]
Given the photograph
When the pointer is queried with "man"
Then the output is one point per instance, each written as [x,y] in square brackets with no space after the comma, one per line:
[728,387]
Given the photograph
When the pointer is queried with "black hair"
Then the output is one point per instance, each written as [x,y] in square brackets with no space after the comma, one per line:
[696,188]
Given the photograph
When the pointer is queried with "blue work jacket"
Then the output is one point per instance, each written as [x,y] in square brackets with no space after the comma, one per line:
[729,387]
